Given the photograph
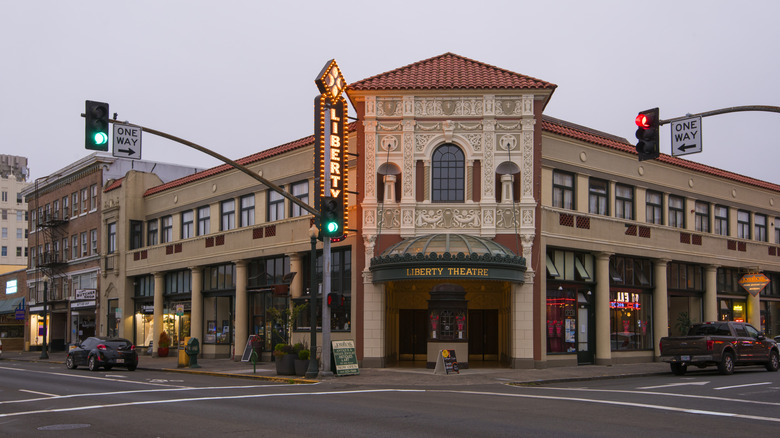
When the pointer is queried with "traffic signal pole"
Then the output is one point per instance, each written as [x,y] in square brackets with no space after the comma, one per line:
[649,122]
[732,109]
[232,163]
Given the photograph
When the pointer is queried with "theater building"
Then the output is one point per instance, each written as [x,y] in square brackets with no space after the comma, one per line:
[477,223]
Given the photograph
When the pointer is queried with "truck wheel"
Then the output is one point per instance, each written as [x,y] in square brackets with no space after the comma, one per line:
[726,365]
[774,361]
[679,369]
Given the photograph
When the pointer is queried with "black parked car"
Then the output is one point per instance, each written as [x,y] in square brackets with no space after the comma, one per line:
[101,351]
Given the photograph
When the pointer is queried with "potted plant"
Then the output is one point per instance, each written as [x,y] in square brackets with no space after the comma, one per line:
[302,362]
[163,344]
[285,359]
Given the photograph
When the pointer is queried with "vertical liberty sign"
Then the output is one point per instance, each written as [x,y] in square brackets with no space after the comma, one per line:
[330,127]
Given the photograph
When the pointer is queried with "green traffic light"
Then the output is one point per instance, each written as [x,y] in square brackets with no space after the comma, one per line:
[100,138]
[332,227]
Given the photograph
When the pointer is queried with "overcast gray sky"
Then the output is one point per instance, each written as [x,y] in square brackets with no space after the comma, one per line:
[238,76]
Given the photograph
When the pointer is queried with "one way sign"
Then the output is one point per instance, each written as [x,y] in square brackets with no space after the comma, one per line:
[127,141]
[686,136]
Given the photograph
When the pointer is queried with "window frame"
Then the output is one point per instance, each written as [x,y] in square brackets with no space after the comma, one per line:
[563,193]
[760,227]
[275,206]
[247,211]
[204,221]
[743,227]
[303,196]
[676,213]
[227,217]
[624,202]
[720,224]
[187,224]
[166,229]
[448,166]
[654,212]
[152,232]
[701,216]
[598,201]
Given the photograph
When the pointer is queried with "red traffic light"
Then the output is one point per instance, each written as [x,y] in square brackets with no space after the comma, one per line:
[643,121]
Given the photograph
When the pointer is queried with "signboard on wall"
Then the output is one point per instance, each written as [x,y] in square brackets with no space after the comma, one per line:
[754,283]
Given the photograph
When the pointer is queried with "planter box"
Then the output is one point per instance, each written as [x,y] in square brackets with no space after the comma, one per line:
[301,366]
[285,365]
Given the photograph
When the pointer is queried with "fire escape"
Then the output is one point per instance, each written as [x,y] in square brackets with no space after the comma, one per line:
[52,258]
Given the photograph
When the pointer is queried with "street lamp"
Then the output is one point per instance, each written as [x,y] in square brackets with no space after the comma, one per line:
[314,367]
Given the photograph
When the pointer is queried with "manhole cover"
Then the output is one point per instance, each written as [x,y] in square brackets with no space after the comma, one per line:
[64,426]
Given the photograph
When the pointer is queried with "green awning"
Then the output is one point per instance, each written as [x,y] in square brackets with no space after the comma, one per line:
[10,305]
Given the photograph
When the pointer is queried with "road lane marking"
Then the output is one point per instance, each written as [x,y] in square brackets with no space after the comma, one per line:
[665,394]
[631,404]
[310,394]
[742,386]
[182,400]
[138,391]
[81,376]
[669,385]
[39,393]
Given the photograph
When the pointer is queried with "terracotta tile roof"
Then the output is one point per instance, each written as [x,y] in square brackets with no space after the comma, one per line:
[567,129]
[449,71]
[297,144]
[278,150]
[114,185]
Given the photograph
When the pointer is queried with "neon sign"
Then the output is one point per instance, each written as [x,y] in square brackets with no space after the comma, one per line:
[625,300]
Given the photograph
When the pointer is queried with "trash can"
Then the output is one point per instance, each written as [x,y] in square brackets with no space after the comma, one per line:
[192,348]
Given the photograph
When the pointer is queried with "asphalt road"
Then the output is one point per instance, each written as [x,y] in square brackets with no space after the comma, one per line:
[40,399]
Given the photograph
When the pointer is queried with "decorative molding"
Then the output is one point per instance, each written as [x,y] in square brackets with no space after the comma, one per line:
[388,143]
[456,218]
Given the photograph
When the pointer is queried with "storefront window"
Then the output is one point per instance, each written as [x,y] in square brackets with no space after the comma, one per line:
[561,321]
[733,310]
[144,321]
[217,312]
[113,318]
[631,320]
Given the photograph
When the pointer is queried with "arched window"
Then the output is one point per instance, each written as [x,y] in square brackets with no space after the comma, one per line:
[449,180]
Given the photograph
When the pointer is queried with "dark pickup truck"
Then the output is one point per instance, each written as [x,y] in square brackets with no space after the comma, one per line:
[723,344]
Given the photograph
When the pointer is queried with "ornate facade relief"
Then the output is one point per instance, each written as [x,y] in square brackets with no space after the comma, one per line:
[448,217]
[370,181]
[448,106]
[408,179]
[388,108]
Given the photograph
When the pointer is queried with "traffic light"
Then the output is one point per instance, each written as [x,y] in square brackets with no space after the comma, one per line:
[648,145]
[96,126]
[335,301]
[332,220]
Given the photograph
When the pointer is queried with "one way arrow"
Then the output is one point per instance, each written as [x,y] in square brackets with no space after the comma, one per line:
[126,151]
[684,147]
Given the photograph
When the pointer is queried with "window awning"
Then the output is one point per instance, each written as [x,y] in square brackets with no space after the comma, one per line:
[10,305]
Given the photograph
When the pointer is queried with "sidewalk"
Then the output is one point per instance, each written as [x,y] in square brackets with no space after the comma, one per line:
[402,377]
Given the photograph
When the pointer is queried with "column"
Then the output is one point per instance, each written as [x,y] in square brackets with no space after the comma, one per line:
[660,303]
[506,189]
[754,311]
[389,181]
[196,315]
[710,293]
[296,265]
[242,310]
[157,324]
[603,343]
